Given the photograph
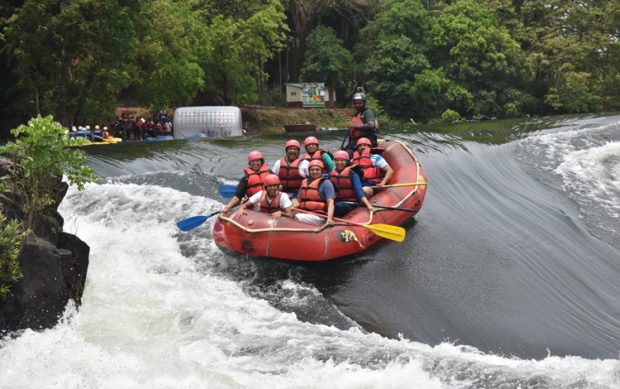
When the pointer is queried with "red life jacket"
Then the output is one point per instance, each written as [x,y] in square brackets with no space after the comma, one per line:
[371,173]
[356,121]
[255,179]
[270,207]
[289,175]
[310,197]
[318,155]
[342,181]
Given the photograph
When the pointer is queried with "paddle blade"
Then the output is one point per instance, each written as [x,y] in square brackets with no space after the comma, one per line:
[227,191]
[387,231]
[192,222]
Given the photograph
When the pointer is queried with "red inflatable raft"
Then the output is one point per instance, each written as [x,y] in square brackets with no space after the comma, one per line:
[257,235]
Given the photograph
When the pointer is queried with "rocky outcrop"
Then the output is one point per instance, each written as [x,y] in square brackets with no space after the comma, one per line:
[54,265]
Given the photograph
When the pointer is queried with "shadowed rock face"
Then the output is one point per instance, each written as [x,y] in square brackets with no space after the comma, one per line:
[54,265]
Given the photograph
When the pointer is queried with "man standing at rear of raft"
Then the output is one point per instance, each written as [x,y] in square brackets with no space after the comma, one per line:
[364,123]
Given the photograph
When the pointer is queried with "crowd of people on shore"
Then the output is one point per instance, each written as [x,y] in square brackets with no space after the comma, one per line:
[318,185]
[128,127]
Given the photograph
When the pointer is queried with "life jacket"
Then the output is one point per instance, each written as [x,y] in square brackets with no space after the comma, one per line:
[343,184]
[354,135]
[270,207]
[289,174]
[310,197]
[255,179]
[371,173]
[318,155]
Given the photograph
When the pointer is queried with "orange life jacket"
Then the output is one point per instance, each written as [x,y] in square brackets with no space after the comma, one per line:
[318,155]
[356,121]
[289,175]
[255,179]
[270,207]
[371,173]
[310,197]
[342,181]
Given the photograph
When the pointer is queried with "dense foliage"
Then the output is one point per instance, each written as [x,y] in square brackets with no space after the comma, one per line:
[12,235]
[418,58]
[42,148]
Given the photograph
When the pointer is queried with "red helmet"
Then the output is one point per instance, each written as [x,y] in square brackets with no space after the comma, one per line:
[363,141]
[252,155]
[316,162]
[292,143]
[271,179]
[341,154]
[311,141]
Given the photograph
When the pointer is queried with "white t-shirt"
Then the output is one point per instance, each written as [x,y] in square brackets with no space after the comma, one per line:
[303,168]
[285,201]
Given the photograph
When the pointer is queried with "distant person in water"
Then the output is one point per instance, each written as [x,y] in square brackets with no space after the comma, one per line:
[251,182]
[270,200]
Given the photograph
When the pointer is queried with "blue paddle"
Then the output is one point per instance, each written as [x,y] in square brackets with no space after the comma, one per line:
[227,191]
[192,222]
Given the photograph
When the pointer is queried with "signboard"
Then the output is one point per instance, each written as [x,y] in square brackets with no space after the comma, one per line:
[313,94]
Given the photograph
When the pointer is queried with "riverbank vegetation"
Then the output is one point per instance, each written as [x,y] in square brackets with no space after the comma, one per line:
[417,59]
[39,155]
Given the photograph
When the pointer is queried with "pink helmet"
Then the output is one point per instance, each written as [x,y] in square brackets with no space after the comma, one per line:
[252,155]
[311,141]
[316,162]
[363,141]
[271,179]
[341,154]
[292,143]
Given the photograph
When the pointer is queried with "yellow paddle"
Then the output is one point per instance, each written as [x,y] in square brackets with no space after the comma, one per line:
[386,231]
[405,184]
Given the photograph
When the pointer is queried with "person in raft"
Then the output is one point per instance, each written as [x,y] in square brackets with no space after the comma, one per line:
[291,168]
[348,186]
[252,182]
[364,123]
[376,171]
[270,200]
[314,153]
[316,195]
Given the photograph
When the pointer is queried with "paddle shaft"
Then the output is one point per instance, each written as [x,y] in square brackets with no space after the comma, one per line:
[385,207]
[404,184]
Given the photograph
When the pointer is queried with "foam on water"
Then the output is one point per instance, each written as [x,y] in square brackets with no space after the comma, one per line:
[156,315]
[587,160]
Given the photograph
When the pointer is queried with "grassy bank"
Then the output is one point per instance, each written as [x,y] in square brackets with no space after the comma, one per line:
[271,120]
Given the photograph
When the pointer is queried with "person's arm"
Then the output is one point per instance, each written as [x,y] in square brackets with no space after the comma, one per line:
[303,168]
[285,207]
[327,192]
[252,201]
[328,161]
[388,174]
[239,194]
[382,164]
[330,211]
[276,167]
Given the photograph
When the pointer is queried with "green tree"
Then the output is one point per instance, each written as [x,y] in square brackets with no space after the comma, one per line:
[70,57]
[328,61]
[391,70]
[479,57]
[167,61]
[41,149]
[238,50]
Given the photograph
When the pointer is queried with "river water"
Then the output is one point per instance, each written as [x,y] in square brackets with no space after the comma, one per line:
[509,276]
